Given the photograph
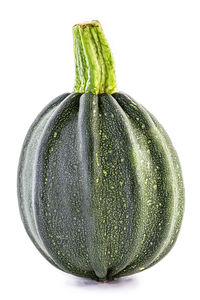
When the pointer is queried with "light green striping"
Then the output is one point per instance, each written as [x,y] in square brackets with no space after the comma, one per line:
[80,65]
[101,62]
[94,65]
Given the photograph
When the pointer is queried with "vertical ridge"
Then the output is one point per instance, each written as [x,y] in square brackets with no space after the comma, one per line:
[26,174]
[57,198]
[124,178]
[162,208]
[90,171]
[177,182]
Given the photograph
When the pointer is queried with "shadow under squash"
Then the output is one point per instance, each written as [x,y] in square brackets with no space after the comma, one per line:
[129,281]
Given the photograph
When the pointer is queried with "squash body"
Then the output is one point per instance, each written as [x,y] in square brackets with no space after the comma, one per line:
[99,186]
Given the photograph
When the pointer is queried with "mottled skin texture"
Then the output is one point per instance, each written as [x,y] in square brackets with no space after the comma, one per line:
[100,187]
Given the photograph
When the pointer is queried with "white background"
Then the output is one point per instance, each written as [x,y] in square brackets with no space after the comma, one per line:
[156,47]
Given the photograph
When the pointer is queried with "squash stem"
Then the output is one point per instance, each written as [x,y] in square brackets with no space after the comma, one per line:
[94,64]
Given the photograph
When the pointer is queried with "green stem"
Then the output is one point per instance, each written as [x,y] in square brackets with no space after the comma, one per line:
[94,65]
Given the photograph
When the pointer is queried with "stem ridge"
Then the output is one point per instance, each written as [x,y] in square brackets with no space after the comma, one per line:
[94,64]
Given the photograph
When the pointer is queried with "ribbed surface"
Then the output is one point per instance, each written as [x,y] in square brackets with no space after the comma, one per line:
[105,185]
[26,171]
[162,183]
[94,65]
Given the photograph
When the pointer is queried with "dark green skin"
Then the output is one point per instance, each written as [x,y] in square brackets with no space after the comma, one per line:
[100,187]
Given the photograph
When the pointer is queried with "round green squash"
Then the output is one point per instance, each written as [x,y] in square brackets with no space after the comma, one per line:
[99,182]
